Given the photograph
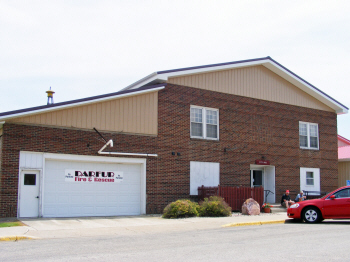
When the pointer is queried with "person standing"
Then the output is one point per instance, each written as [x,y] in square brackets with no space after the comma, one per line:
[285,201]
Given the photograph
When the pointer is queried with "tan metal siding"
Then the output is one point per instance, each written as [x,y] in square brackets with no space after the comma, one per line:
[256,82]
[134,114]
[343,173]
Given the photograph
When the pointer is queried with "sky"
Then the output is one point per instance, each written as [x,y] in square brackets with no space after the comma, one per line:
[85,48]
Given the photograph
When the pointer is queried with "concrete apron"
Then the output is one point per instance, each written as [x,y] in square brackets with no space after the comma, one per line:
[131,225]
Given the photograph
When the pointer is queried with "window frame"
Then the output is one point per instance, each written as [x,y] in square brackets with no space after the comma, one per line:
[204,123]
[310,179]
[308,136]
[317,179]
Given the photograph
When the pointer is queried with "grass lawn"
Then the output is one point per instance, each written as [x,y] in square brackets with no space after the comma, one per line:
[11,224]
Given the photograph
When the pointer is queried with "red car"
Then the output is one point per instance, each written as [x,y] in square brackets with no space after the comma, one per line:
[334,205]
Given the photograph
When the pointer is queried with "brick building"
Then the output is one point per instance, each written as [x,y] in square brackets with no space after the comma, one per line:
[244,123]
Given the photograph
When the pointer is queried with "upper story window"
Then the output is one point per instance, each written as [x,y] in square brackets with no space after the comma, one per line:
[308,135]
[204,122]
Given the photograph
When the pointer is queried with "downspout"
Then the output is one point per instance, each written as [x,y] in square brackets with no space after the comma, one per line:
[110,142]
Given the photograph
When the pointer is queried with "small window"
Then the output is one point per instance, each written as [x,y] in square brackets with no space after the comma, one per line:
[309,178]
[204,122]
[29,179]
[308,135]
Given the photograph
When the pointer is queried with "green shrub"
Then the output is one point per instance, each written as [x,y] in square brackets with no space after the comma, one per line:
[180,209]
[215,206]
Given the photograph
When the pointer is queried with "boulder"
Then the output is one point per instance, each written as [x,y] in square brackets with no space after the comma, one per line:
[250,207]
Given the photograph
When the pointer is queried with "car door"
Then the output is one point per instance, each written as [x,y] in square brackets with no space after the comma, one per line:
[339,207]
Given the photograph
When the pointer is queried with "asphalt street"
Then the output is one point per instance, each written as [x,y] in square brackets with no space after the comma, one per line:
[328,241]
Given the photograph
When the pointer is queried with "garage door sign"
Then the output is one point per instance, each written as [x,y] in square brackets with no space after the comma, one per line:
[88,176]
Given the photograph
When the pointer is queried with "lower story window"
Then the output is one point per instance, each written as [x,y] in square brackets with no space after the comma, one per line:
[310,179]
[203,174]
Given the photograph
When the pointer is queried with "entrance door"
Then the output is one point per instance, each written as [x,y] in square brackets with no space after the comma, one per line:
[257,178]
[29,197]
[264,176]
[269,184]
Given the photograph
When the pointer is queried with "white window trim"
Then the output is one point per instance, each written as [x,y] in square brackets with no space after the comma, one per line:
[317,179]
[204,122]
[308,136]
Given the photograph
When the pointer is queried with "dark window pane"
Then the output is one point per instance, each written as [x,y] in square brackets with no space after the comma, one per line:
[257,178]
[196,129]
[29,179]
[309,182]
[303,141]
[212,131]
[313,142]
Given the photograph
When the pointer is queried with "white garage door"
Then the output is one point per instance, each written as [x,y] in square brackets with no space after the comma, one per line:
[63,198]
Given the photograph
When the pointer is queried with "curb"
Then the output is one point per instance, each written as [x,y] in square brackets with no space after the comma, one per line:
[255,223]
[15,238]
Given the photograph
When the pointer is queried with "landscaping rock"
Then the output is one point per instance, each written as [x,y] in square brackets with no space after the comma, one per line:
[250,207]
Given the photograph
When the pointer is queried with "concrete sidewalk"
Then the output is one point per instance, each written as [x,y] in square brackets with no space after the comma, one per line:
[38,228]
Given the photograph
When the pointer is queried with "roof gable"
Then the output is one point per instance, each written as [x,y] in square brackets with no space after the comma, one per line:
[255,82]
[267,62]
[342,141]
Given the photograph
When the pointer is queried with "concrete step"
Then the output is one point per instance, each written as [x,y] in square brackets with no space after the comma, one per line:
[278,208]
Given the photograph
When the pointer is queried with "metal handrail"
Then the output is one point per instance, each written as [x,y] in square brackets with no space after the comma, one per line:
[267,192]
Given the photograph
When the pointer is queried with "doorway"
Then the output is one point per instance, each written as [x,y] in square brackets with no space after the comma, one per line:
[264,176]
[257,178]
[29,194]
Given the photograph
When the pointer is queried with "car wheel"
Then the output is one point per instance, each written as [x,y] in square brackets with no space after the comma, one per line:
[312,215]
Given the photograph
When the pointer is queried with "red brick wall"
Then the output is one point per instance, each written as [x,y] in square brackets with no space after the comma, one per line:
[249,129]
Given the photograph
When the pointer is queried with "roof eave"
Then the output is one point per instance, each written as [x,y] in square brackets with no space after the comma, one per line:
[143,81]
[347,141]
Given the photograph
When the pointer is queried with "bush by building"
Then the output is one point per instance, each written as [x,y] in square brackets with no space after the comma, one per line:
[180,209]
[215,206]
